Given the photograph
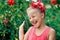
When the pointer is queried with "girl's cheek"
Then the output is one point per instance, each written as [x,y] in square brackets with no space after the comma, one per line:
[37,18]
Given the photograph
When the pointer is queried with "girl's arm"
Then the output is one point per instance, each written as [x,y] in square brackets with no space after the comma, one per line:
[52,35]
[21,32]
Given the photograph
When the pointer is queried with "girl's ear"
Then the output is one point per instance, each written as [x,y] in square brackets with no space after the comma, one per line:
[42,15]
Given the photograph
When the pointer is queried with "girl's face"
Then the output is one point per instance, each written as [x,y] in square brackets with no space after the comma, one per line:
[35,17]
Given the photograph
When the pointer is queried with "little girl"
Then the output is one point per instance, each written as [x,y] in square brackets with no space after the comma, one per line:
[39,31]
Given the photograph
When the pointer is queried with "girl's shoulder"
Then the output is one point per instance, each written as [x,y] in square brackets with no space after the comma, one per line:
[52,34]
[28,31]
[51,31]
[31,28]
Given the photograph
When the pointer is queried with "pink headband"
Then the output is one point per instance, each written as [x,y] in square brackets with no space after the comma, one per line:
[38,5]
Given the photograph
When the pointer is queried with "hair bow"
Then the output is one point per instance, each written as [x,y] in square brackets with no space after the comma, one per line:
[39,5]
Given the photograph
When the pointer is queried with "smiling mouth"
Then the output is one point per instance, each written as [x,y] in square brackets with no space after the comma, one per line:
[34,23]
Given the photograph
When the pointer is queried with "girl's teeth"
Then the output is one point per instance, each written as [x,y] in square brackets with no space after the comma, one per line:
[35,22]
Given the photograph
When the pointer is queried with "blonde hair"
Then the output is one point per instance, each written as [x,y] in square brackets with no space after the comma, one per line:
[30,8]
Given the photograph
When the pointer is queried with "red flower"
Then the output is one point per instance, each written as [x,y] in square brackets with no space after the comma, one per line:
[33,5]
[5,21]
[38,5]
[10,2]
[41,6]
[53,2]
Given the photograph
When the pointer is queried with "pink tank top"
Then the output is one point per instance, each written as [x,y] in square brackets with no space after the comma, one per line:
[43,36]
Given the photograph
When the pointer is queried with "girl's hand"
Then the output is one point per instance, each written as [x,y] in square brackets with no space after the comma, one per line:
[22,25]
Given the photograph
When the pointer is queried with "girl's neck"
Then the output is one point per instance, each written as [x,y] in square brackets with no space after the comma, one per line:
[42,25]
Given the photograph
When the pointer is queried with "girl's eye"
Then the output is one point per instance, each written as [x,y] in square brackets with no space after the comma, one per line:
[33,16]
[29,18]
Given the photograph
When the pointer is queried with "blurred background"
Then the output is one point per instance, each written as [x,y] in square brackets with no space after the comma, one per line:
[13,13]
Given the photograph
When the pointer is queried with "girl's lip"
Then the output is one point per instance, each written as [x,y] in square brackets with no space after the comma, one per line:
[34,23]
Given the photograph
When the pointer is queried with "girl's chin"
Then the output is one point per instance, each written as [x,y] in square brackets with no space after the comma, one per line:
[36,26]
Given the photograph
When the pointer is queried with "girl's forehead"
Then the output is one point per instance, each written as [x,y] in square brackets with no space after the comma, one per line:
[33,11]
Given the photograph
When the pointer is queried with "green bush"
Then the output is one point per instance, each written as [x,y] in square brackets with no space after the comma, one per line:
[16,14]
